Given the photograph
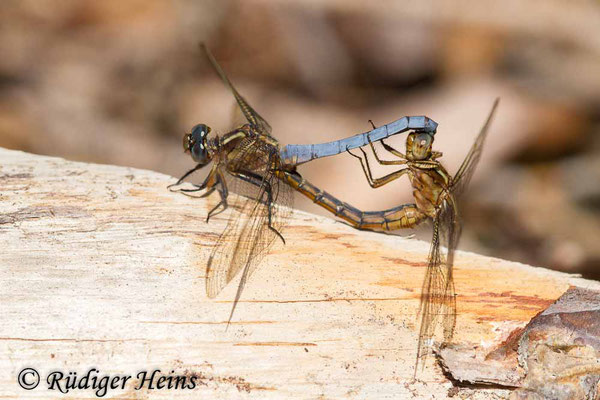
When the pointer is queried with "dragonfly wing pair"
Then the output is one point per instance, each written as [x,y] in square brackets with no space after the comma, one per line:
[247,237]
[437,294]
[251,115]
[255,220]
[259,214]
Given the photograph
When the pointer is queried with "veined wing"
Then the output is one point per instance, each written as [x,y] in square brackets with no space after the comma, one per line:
[251,115]
[465,172]
[233,250]
[246,238]
[437,294]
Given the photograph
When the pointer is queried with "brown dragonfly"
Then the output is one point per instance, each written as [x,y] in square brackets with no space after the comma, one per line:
[437,195]
[249,161]
[244,160]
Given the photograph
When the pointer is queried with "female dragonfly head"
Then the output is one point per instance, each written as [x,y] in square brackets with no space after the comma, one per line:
[418,146]
[196,143]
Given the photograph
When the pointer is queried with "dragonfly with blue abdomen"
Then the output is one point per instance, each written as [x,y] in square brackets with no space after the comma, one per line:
[251,155]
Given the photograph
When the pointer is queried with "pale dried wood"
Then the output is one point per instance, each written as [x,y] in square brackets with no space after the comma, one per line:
[102,267]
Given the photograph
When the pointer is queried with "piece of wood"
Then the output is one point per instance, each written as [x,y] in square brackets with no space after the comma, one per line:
[557,355]
[102,267]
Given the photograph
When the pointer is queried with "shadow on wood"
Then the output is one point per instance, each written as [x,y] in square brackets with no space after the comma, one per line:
[102,267]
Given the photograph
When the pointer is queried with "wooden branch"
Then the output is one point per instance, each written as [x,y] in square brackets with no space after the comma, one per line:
[102,267]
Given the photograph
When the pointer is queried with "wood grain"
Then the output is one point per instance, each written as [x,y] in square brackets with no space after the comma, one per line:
[102,267]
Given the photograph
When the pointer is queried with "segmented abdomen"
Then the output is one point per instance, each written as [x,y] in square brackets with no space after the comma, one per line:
[404,216]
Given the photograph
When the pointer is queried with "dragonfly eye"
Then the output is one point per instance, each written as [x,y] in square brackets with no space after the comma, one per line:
[187,142]
[196,143]
[421,146]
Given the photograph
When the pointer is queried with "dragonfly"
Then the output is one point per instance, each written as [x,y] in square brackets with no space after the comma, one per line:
[249,161]
[437,197]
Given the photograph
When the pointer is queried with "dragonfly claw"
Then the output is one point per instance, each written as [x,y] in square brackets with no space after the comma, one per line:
[277,233]
[213,213]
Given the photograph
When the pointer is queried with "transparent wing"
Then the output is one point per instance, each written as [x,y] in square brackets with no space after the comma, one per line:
[234,247]
[251,115]
[247,237]
[465,172]
[237,117]
[222,264]
[450,230]
[437,295]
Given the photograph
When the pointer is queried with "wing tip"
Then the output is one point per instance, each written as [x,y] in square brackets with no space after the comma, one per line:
[494,106]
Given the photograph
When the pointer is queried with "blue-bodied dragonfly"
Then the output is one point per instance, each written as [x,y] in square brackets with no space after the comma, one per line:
[265,174]
[250,154]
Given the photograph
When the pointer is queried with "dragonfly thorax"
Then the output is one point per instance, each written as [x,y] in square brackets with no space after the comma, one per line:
[196,143]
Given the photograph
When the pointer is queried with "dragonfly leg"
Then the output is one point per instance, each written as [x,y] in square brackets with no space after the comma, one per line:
[427,164]
[209,183]
[386,162]
[191,171]
[197,188]
[366,169]
[376,182]
[257,180]
[212,181]
[391,149]
[223,203]
[218,179]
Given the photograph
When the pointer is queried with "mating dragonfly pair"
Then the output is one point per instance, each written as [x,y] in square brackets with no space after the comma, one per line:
[249,161]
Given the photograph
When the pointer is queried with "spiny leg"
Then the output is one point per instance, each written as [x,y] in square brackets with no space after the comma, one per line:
[205,194]
[223,192]
[366,169]
[257,180]
[197,188]
[385,162]
[376,182]
[427,164]
[269,191]
[209,183]
[191,171]
[392,150]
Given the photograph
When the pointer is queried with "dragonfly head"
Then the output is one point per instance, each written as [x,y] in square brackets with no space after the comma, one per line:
[195,143]
[418,145]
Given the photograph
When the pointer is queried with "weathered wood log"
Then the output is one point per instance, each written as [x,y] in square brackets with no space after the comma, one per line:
[102,267]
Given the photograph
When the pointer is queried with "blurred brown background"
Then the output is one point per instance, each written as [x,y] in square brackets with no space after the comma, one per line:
[120,82]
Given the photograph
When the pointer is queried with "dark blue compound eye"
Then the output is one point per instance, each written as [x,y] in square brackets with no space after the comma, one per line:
[195,142]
